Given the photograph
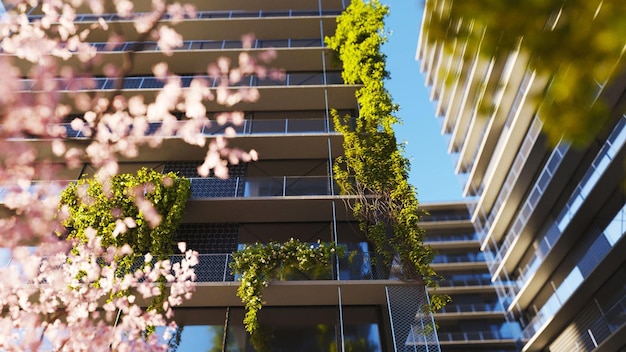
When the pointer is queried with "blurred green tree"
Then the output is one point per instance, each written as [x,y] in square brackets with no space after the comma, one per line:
[578,44]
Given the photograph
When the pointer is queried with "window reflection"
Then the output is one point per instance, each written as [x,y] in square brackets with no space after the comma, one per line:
[283,329]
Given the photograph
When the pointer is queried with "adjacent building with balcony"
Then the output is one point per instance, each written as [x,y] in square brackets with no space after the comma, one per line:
[474,320]
[550,219]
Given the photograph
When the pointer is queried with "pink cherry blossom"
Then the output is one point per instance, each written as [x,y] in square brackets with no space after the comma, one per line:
[54,298]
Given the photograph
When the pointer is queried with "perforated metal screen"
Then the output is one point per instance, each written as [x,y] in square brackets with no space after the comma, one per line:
[413,328]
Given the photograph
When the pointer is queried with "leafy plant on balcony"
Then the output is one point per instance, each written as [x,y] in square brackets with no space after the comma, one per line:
[123,210]
[387,207]
[260,263]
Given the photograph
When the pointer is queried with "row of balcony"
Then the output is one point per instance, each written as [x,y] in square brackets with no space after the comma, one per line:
[211,45]
[207,188]
[585,266]
[452,308]
[209,14]
[459,258]
[248,127]
[570,209]
[353,266]
[463,237]
[550,236]
[103,83]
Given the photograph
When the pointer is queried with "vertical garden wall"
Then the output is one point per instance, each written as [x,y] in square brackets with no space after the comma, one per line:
[387,207]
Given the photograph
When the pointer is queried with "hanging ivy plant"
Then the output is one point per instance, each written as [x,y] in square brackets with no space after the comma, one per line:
[261,262]
[387,207]
[114,210]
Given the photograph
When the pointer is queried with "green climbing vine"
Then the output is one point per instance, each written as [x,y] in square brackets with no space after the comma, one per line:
[387,207]
[261,262]
[88,203]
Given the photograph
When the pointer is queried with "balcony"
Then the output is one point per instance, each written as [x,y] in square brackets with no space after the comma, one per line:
[248,127]
[41,189]
[453,312]
[353,266]
[310,90]
[152,83]
[251,187]
[473,337]
[210,14]
[148,46]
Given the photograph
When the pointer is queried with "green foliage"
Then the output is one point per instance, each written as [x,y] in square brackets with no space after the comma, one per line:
[387,206]
[92,204]
[576,42]
[258,263]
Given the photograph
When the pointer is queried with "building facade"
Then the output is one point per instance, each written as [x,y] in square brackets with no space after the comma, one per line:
[353,305]
[550,218]
[474,320]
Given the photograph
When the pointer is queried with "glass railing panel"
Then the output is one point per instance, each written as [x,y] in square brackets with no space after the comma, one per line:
[471,308]
[293,79]
[466,280]
[264,187]
[204,45]
[267,126]
[42,188]
[451,238]
[360,266]
[209,14]
[615,317]
[307,186]
[445,217]
[306,43]
[278,43]
[459,258]
[299,79]
[306,126]
[217,129]
[275,13]
[277,126]
[471,336]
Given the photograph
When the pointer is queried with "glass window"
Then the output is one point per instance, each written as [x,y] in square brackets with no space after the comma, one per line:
[282,329]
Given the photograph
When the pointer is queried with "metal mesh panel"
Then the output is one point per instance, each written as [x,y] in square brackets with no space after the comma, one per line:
[212,267]
[413,329]
[209,238]
[210,187]
[190,169]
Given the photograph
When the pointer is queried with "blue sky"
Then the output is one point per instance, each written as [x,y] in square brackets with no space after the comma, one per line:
[432,171]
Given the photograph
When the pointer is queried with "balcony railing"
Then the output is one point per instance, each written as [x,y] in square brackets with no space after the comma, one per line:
[250,187]
[472,236]
[472,336]
[475,280]
[452,308]
[445,217]
[459,258]
[211,45]
[248,127]
[41,188]
[355,266]
[149,82]
[210,14]
[210,187]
